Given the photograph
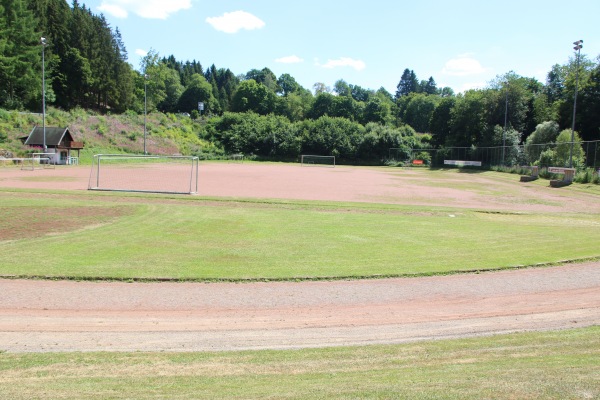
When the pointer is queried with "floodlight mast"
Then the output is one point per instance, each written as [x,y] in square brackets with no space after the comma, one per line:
[505,120]
[43,42]
[578,45]
[145,109]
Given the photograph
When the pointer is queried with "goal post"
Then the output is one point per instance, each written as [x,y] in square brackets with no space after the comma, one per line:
[138,173]
[312,160]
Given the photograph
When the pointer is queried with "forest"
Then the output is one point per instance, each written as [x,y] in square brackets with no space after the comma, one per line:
[255,112]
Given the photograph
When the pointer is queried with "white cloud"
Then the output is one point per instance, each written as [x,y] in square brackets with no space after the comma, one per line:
[234,21]
[153,9]
[289,60]
[358,65]
[114,10]
[463,65]
[141,52]
[471,85]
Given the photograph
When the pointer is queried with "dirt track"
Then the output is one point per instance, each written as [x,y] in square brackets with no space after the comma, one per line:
[81,316]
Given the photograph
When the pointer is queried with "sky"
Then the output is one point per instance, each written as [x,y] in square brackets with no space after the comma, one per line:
[462,44]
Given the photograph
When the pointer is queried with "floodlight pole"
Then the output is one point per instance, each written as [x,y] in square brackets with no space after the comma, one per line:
[578,45]
[145,110]
[505,121]
[43,42]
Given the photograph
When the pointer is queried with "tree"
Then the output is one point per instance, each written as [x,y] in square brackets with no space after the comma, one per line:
[408,83]
[20,56]
[510,139]
[320,87]
[419,110]
[198,90]
[588,106]
[253,96]
[376,110]
[541,139]
[429,86]
[287,84]
[173,91]
[564,147]
[360,94]
[468,119]
[439,125]
[341,88]
[155,73]
[265,76]
[447,92]
[323,105]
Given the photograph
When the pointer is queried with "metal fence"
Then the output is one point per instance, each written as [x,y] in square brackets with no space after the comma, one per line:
[584,154]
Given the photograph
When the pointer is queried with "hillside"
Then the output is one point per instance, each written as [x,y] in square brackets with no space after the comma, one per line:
[166,134]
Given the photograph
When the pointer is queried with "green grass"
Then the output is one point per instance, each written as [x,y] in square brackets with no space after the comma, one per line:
[546,365]
[193,238]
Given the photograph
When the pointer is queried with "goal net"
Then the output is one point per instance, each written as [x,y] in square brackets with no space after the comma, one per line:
[323,161]
[153,174]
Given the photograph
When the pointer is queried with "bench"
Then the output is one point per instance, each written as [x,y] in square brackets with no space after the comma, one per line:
[567,173]
[461,163]
[533,173]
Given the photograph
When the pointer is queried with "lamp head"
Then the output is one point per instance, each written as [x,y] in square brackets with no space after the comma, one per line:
[43,41]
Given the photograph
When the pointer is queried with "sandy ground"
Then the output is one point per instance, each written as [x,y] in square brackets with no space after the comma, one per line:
[38,316]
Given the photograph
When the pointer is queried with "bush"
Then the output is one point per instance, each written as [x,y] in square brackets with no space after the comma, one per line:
[587,176]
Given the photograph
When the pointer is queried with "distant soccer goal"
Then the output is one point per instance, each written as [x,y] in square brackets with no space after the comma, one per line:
[153,174]
[322,161]
[38,161]
[236,158]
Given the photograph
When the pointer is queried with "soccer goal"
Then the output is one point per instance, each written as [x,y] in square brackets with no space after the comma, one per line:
[38,161]
[153,174]
[323,161]
[236,158]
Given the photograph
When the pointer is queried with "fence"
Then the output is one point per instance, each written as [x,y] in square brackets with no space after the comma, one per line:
[585,154]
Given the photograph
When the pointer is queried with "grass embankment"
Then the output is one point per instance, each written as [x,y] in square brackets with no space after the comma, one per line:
[166,134]
[547,365]
[123,237]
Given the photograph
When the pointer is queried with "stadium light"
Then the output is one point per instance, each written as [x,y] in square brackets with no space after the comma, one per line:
[145,110]
[43,42]
[578,45]
[505,120]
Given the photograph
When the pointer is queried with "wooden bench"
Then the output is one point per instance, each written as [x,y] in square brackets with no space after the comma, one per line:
[567,173]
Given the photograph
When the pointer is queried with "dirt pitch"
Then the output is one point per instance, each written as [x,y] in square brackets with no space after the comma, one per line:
[37,316]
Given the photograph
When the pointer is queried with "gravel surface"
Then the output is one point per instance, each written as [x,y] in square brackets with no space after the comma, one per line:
[42,316]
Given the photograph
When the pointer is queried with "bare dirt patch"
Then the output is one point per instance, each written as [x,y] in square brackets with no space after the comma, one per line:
[29,222]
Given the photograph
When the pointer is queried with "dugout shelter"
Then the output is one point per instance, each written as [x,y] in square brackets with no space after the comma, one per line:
[60,145]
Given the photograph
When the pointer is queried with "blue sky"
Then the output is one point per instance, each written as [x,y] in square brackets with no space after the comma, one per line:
[463,44]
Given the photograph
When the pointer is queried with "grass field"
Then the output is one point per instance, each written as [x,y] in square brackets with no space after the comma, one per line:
[122,237]
[547,365]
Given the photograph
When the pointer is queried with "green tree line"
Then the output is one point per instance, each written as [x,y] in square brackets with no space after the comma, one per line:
[257,112]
